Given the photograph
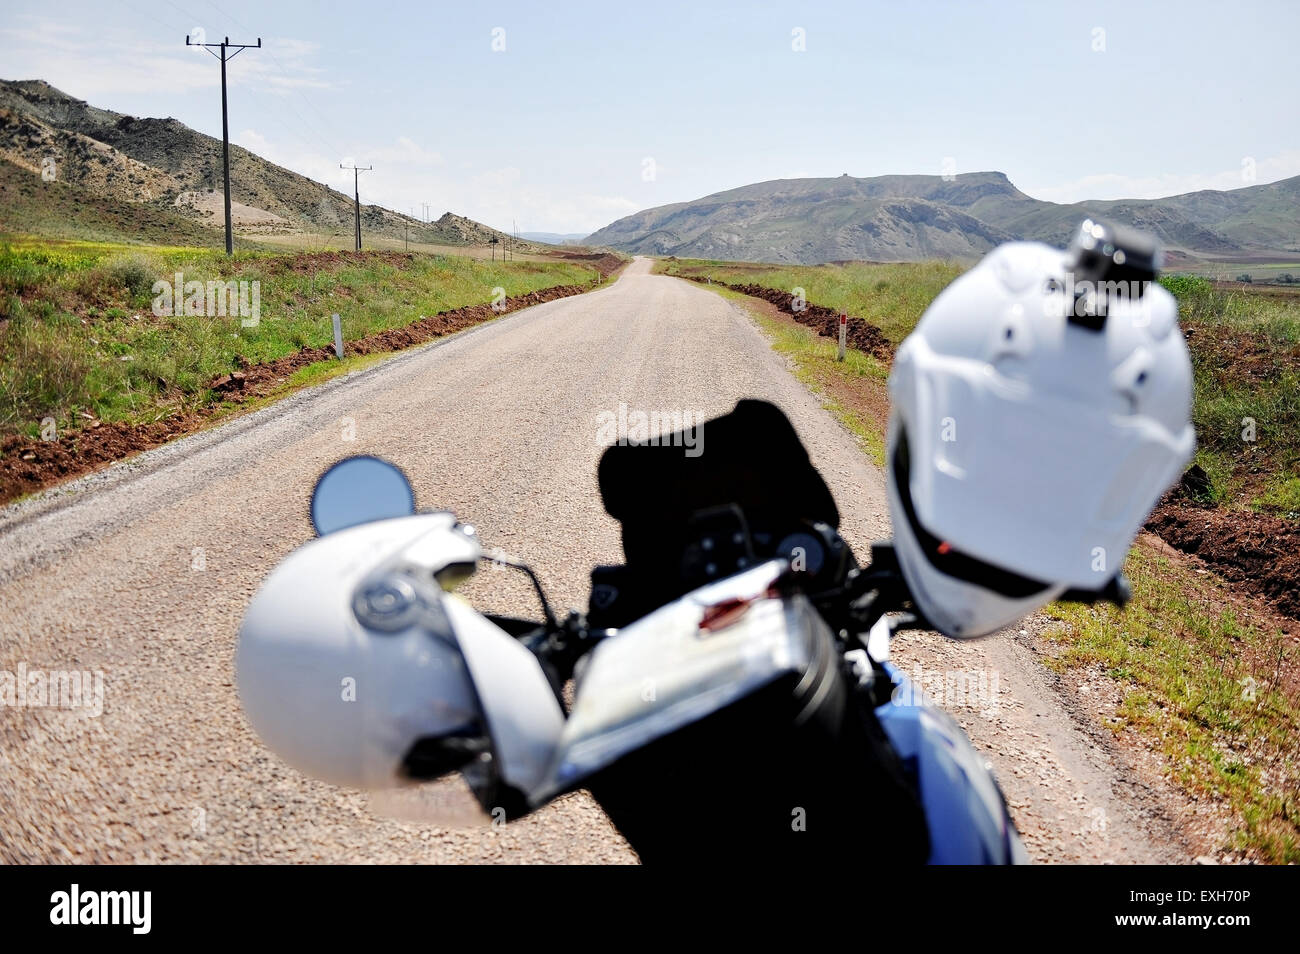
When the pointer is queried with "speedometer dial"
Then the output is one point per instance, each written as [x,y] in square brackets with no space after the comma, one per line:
[805,552]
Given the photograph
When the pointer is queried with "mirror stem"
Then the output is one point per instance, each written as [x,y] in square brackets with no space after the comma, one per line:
[496,556]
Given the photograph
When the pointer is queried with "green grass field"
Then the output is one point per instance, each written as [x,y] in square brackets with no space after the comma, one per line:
[1259,272]
[1208,687]
[1245,348]
[891,297]
[78,335]
[814,362]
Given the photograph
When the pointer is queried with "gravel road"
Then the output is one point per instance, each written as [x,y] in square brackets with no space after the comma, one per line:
[142,572]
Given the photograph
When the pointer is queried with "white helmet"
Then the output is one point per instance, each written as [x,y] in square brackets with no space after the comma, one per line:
[1039,410]
[355,667]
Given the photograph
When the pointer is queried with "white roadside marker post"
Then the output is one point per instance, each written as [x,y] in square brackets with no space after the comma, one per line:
[338,337]
[844,332]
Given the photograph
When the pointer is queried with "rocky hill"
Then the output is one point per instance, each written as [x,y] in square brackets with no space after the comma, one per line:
[908,218]
[175,171]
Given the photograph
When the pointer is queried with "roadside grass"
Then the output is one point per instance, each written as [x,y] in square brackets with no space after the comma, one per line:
[1245,348]
[1259,272]
[79,339]
[814,363]
[1205,682]
[891,297]
[342,241]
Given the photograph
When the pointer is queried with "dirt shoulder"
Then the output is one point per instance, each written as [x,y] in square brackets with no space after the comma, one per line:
[866,337]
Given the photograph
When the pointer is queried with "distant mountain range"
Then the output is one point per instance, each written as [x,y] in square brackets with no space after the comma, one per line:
[119,177]
[908,218]
[554,238]
[116,176]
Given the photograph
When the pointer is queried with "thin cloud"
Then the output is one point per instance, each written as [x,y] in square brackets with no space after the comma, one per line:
[1118,186]
[96,65]
[407,175]
[84,66]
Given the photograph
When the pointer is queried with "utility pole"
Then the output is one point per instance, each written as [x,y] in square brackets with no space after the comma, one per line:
[224,45]
[356,191]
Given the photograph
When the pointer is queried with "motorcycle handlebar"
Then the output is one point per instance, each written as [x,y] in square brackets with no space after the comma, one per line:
[867,594]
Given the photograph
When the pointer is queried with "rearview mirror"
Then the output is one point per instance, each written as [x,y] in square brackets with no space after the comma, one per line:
[360,490]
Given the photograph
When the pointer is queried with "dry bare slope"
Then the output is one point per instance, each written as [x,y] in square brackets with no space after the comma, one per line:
[172,167]
[31,205]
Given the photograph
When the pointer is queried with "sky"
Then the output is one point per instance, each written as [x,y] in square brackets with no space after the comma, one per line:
[563,117]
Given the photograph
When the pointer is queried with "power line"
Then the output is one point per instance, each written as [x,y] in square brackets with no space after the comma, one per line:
[139,12]
[311,128]
[356,185]
[308,136]
[306,125]
[278,119]
[224,45]
[312,131]
[296,91]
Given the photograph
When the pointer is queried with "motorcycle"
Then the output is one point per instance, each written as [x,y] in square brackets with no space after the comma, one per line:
[732,690]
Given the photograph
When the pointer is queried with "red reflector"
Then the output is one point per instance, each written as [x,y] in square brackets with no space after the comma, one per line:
[721,615]
[945,548]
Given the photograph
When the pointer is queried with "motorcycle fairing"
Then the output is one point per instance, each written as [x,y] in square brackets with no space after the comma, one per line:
[964,809]
[664,672]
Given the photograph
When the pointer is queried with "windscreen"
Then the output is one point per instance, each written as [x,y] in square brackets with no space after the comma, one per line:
[751,457]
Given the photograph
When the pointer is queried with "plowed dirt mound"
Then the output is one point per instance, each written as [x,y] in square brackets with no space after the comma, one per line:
[27,465]
[825,321]
[1258,551]
[604,262]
